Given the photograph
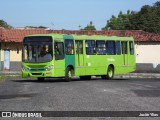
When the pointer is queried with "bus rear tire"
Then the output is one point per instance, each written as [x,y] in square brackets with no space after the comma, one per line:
[110,74]
[40,79]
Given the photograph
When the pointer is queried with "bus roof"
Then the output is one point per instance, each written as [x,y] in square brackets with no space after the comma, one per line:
[100,37]
[83,37]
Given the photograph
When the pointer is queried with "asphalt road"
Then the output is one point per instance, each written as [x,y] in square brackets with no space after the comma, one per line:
[80,95]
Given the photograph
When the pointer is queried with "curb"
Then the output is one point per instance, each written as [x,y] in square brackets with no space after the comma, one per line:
[139,75]
[10,72]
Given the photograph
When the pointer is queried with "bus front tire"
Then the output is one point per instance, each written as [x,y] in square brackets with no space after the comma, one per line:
[69,74]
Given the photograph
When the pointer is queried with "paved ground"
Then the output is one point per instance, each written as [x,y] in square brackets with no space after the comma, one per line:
[119,94]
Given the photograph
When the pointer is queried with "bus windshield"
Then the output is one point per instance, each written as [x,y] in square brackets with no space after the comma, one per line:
[37,49]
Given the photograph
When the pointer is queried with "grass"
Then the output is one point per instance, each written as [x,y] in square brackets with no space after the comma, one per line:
[4,77]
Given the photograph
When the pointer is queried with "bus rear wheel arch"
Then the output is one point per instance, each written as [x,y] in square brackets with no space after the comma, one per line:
[110,73]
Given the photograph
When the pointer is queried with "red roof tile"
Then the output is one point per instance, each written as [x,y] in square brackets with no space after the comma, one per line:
[16,35]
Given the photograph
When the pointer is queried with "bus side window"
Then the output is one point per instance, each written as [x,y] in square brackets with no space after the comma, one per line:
[79,46]
[118,47]
[101,47]
[90,47]
[124,47]
[69,47]
[111,49]
[59,50]
[131,46]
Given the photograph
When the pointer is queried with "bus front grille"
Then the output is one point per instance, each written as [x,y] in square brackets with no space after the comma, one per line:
[36,66]
[37,69]
[36,73]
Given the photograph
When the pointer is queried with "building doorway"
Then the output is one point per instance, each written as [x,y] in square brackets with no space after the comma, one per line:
[6,59]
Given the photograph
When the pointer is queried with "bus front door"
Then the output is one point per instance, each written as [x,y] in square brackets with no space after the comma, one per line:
[80,69]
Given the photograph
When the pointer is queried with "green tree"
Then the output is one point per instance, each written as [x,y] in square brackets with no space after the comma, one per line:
[35,27]
[4,24]
[147,19]
[156,5]
[118,23]
[90,26]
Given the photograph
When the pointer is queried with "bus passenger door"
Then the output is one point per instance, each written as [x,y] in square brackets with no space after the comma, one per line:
[131,57]
[79,57]
[124,47]
[59,64]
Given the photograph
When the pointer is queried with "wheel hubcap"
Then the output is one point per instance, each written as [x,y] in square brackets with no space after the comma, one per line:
[110,73]
[69,74]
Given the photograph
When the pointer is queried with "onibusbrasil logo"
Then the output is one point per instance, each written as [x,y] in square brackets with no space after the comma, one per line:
[21,114]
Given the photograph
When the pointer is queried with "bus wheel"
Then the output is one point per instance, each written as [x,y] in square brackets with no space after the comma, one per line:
[40,79]
[110,73]
[69,74]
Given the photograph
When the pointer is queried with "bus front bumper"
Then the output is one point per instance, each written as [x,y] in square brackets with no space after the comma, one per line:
[26,74]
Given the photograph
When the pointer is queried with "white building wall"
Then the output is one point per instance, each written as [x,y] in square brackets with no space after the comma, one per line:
[148,53]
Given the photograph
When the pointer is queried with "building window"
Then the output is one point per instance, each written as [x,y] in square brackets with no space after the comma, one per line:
[17,50]
[101,47]
[90,47]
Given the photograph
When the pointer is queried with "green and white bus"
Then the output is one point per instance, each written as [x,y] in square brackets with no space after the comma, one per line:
[68,56]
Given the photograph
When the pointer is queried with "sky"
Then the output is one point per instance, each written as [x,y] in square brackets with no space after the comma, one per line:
[65,14]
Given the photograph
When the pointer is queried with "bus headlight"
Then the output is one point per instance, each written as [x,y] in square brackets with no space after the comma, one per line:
[25,69]
[50,67]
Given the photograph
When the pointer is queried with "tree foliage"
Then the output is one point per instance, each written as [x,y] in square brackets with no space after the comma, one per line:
[90,26]
[35,27]
[118,23]
[147,19]
[4,24]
